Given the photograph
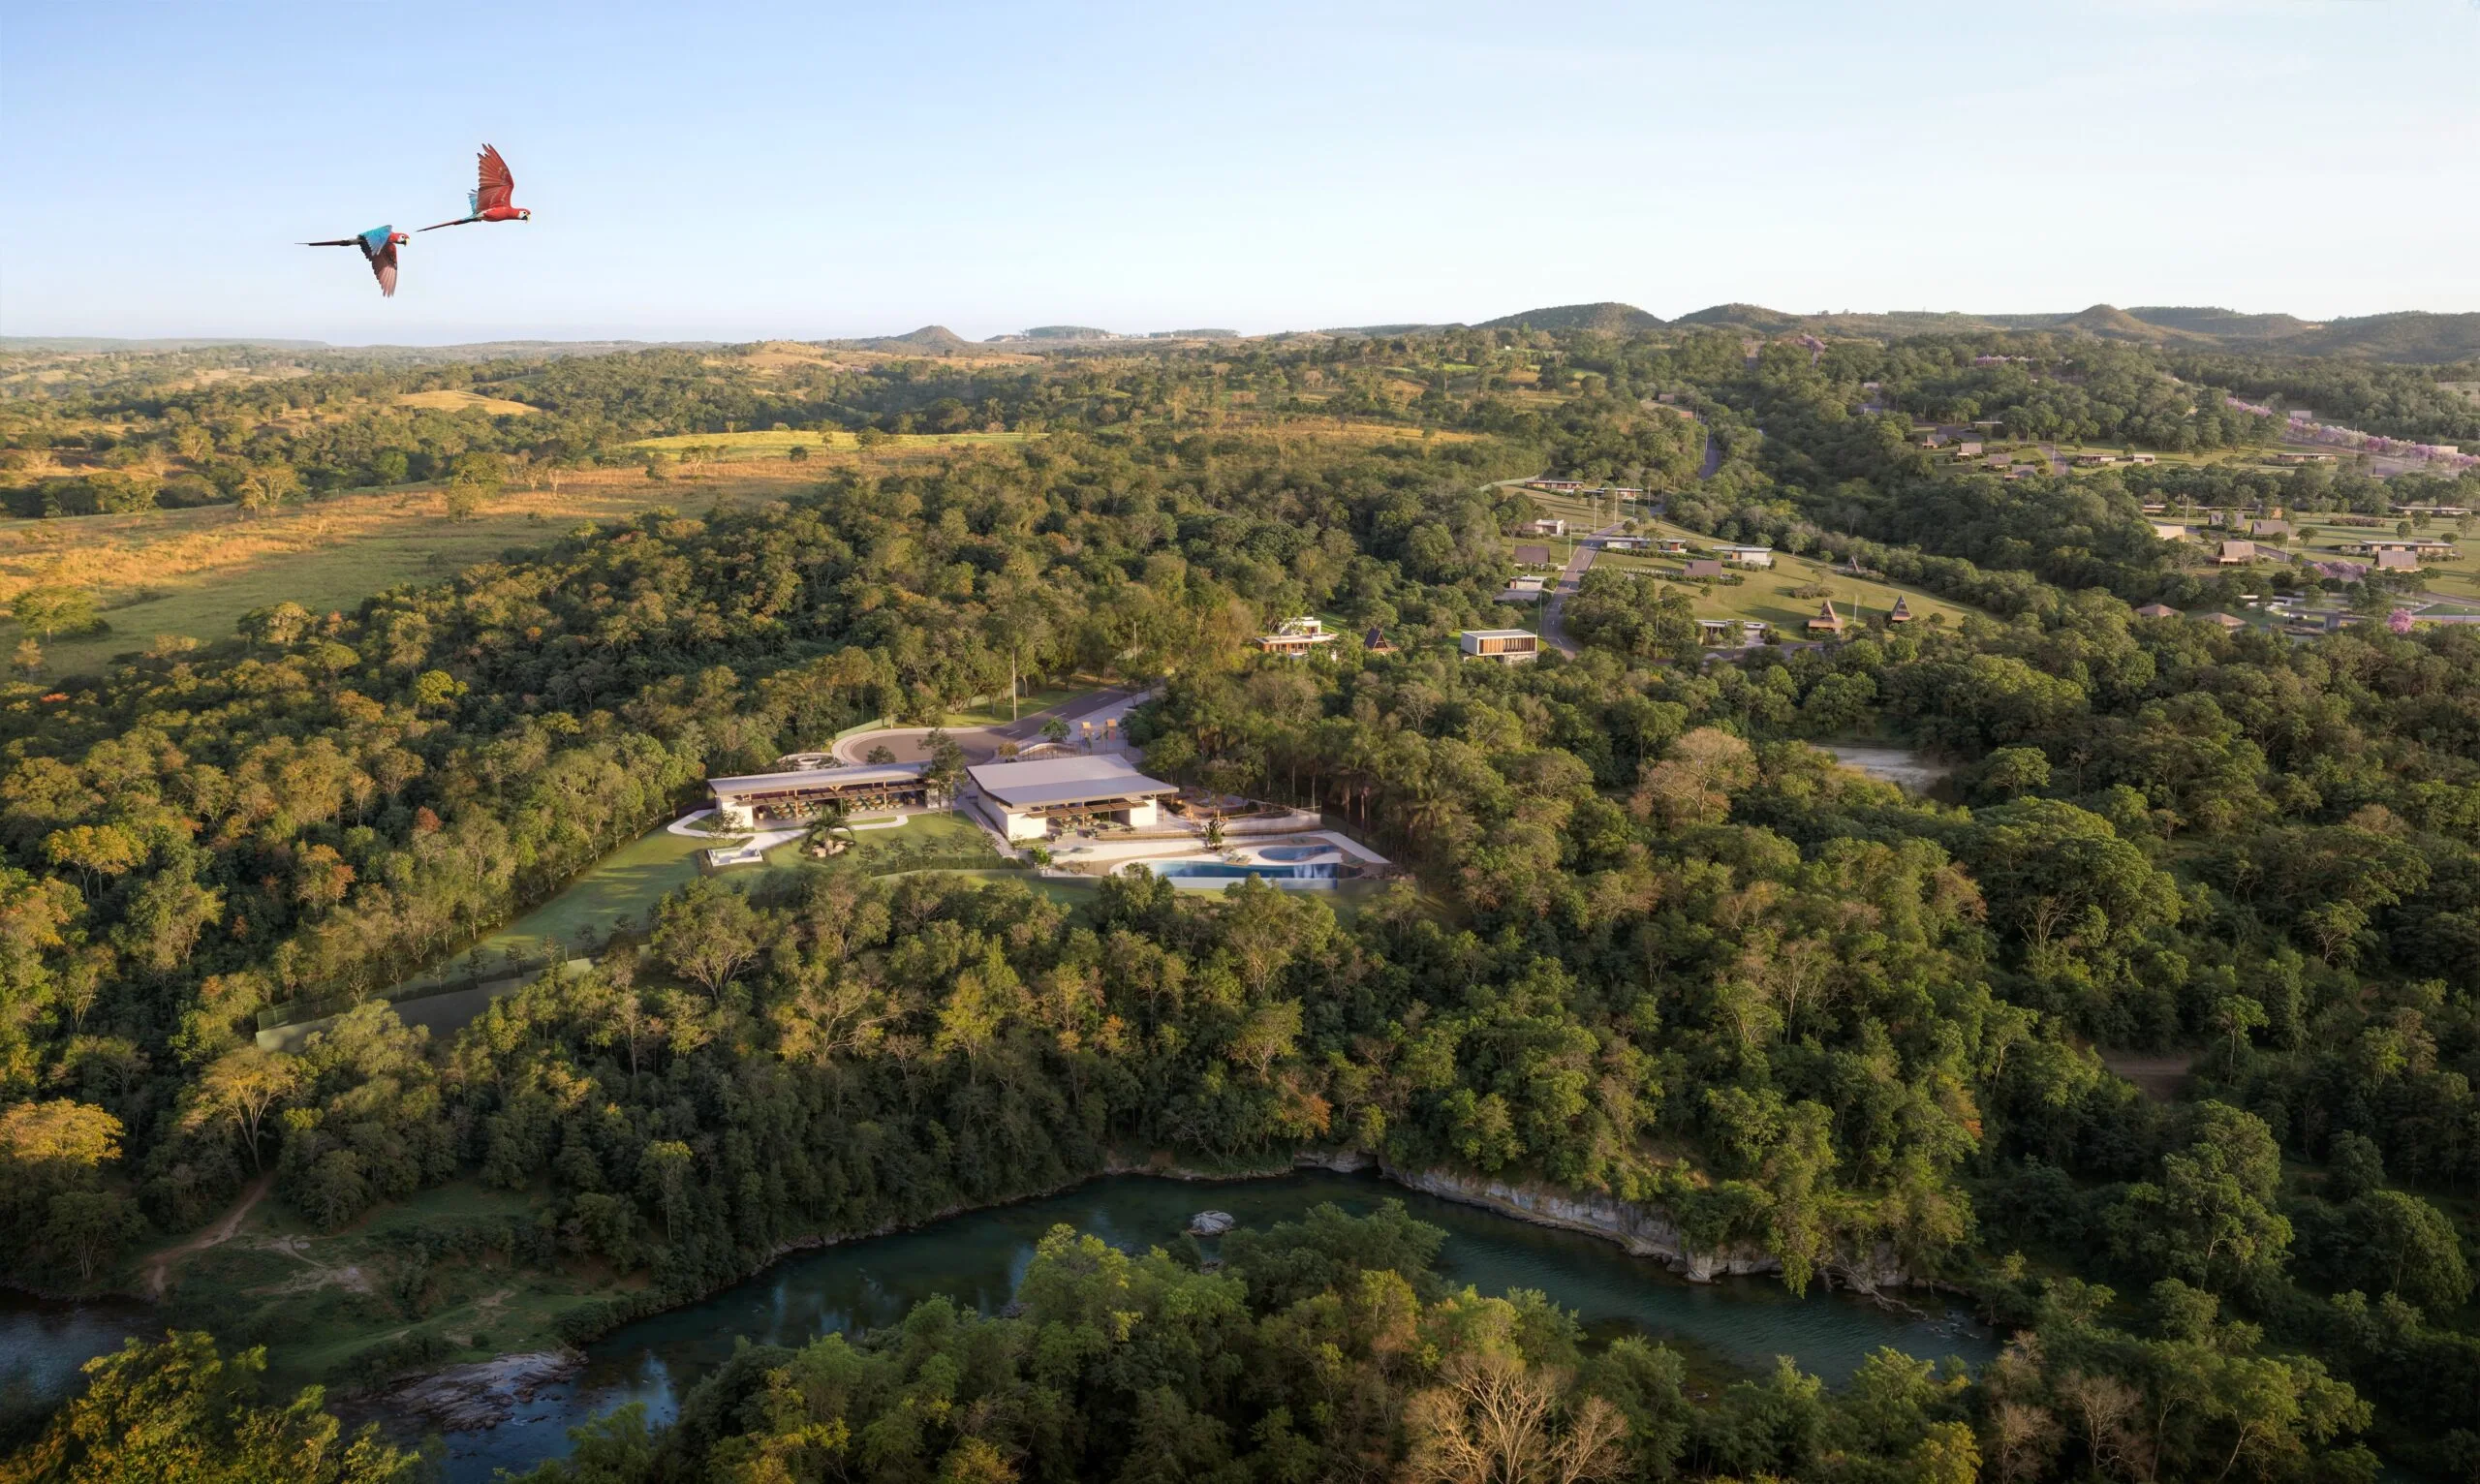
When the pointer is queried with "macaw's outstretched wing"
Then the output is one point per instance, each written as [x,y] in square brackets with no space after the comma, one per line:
[496,185]
[383,266]
[375,241]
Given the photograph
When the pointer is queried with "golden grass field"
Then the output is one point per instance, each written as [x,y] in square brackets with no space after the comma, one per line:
[756,445]
[463,402]
[195,571]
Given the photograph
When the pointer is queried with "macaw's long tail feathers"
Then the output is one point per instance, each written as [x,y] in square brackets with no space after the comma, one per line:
[459,222]
[337,242]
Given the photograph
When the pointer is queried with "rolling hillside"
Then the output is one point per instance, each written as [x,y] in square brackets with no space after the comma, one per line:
[2410,336]
[1606,318]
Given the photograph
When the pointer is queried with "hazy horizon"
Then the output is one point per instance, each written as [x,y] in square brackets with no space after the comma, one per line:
[1131,332]
[844,175]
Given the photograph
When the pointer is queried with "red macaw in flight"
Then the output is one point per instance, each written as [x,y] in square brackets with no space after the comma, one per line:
[488,200]
[379,245]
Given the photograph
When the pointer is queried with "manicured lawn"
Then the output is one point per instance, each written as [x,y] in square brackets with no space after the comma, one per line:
[943,833]
[2457,579]
[1767,593]
[628,885]
[625,886]
[996,714]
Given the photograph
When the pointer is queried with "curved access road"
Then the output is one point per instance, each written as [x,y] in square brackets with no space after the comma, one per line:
[1554,607]
[980,744]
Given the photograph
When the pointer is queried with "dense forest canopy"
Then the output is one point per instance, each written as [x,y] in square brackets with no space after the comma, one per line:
[1655,946]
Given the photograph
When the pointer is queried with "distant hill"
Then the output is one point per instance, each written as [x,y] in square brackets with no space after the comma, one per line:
[1375,331]
[933,339]
[421,354]
[1070,332]
[79,344]
[2412,335]
[2224,323]
[1755,317]
[2111,322]
[1607,318]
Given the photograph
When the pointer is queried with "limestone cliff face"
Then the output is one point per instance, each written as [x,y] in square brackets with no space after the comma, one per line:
[1644,1231]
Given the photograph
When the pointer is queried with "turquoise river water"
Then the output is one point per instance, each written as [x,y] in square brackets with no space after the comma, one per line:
[1733,1326]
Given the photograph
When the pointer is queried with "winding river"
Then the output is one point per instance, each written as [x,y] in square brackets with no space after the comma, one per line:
[1725,1329]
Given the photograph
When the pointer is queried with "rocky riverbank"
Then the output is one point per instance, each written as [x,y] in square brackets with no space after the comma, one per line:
[481,1395]
[1644,1231]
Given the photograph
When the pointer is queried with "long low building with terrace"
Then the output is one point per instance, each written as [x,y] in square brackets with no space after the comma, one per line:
[764,798]
[1022,800]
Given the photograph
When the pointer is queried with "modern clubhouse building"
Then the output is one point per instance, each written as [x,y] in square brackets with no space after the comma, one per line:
[763,798]
[1021,799]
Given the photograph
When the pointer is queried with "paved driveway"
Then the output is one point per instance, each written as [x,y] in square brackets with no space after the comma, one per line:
[1554,608]
[980,744]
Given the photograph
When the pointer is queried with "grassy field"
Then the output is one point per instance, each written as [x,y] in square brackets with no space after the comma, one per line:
[921,835]
[319,1300]
[195,571]
[756,445]
[1767,596]
[2458,579]
[620,890]
[1760,595]
[1037,700]
[464,402]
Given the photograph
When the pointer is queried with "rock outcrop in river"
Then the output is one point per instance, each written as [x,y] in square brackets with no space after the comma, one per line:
[464,1399]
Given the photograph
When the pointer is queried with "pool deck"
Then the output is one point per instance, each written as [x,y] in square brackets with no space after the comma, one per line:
[1193,848]
[1305,847]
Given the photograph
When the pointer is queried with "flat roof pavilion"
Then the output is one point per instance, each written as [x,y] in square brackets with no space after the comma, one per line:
[1021,798]
[752,797]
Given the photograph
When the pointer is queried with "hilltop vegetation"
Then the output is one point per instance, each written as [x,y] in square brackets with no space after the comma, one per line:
[1656,949]
[1605,318]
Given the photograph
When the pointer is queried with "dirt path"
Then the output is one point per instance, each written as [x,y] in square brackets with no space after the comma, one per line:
[158,1267]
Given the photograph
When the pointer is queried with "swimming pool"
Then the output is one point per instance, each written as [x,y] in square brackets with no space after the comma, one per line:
[1224,870]
[1294,852]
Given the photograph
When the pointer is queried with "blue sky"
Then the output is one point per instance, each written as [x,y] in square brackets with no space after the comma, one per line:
[733,171]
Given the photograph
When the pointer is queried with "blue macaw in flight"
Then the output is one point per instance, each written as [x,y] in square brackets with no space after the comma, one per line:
[379,245]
